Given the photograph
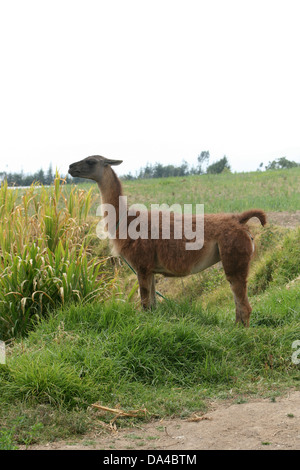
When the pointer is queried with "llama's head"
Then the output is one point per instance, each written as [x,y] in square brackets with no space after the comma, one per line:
[91,167]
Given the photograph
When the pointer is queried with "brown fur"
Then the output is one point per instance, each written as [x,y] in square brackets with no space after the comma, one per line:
[226,239]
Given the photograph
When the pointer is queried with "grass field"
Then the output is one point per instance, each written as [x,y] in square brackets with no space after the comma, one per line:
[271,190]
[174,359]
[227,192]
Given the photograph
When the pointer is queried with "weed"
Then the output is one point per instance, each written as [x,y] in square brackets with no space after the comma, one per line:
[7,440]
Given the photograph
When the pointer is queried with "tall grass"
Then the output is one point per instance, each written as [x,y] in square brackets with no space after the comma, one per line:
[45,259]
[112,354]
[279,264]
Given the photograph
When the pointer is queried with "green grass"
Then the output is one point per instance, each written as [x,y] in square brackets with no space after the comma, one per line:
[279,266]
[169,360]
[271,190]
[98,353]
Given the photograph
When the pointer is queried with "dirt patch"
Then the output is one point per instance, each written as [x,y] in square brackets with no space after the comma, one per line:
[257,424]
[285,219]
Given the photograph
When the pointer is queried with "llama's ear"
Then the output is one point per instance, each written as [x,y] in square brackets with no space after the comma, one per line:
[108,161]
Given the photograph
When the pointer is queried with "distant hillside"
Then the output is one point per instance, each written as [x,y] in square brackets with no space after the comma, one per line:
[272,190]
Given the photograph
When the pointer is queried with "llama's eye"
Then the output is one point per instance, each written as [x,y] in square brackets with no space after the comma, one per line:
[91,162]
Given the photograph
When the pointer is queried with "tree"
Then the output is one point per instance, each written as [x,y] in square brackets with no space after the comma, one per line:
[281,162]
[146,172]
[218,166]
[260,167]
[203,158]
[39,176]
[184,168]
[49,175]
[158,170]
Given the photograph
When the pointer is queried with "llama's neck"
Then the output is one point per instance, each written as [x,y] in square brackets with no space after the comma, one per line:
[111,189]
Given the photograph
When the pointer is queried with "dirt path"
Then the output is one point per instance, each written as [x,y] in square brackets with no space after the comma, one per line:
[257,424]
[284,218]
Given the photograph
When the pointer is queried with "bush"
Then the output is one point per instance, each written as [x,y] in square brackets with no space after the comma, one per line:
[282,162]
[219,166]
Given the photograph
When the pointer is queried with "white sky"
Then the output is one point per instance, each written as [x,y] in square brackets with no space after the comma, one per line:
[147,81]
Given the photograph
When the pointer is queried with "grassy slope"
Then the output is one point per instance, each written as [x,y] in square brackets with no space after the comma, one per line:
[172,359]
[271,190]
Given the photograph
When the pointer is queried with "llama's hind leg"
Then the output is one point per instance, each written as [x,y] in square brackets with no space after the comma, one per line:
[236,258]
[243,308]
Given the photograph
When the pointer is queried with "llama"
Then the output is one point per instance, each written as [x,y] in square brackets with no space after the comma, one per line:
[226,239]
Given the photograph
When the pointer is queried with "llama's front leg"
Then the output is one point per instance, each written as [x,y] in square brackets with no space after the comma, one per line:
[146,285]
[243,308]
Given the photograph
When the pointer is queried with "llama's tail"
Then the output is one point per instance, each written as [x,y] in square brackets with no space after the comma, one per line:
[245,216]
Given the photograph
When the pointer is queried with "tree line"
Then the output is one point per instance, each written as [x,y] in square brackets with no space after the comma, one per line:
[156,170]
[45,178]
[22,179]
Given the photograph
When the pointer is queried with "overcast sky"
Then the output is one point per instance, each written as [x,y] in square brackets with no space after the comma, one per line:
[147,81]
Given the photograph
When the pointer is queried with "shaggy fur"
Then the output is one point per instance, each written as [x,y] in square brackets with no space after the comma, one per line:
[226,239]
